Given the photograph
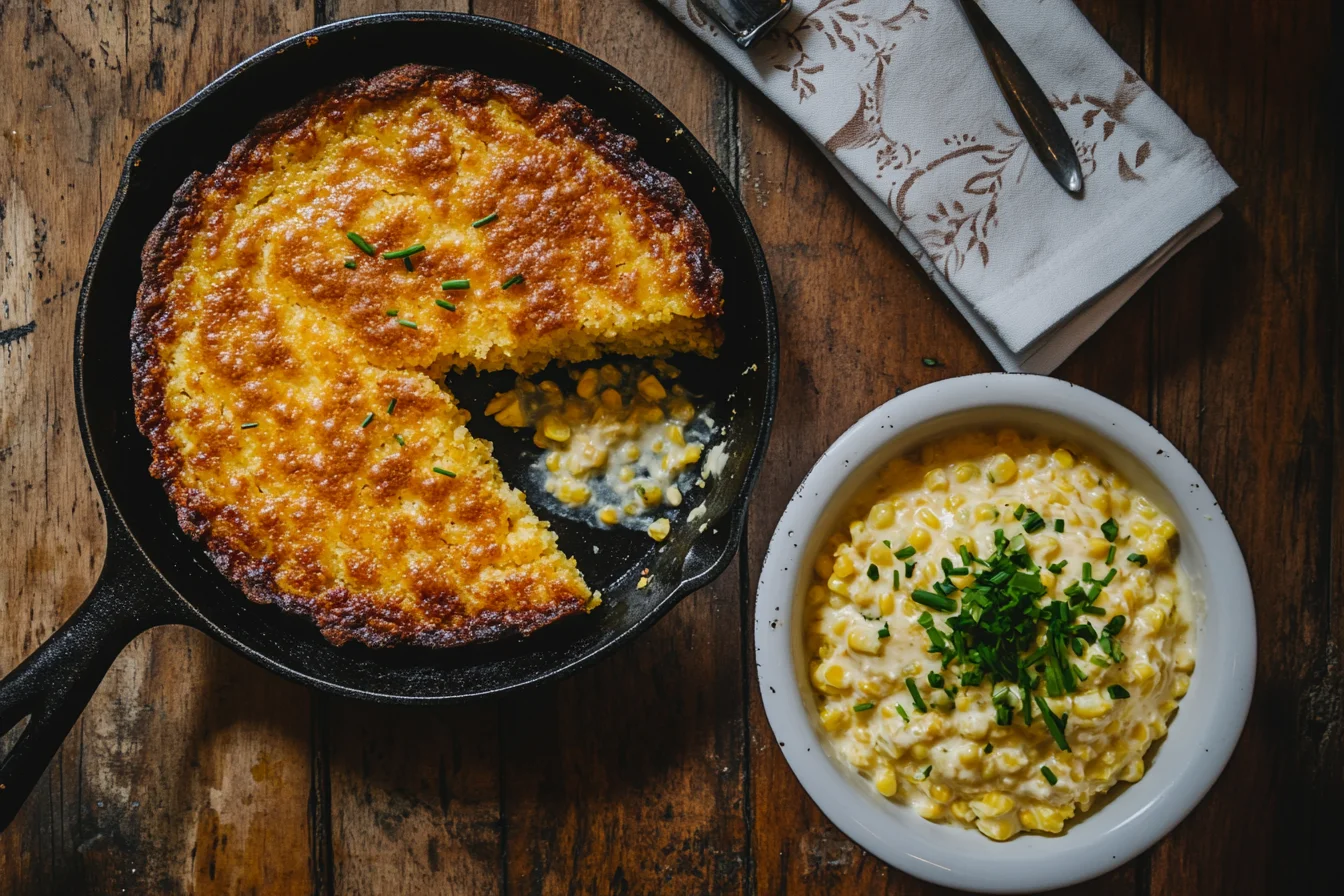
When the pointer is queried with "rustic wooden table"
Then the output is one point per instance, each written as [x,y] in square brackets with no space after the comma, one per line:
[193,771]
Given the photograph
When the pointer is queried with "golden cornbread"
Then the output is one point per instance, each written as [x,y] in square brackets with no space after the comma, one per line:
[283,375]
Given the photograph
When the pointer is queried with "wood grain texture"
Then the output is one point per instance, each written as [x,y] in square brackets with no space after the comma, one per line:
[194,772]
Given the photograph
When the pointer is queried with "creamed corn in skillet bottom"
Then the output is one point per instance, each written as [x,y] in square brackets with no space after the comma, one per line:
[1000,632]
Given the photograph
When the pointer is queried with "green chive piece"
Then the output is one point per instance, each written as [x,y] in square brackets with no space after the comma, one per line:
[1018,511]
[989,748]
[914,695]
[900,711]
[408,323]
[442,304]
[1059,525]
[934,601]
[1140,559]
[906,552]
[249,426]
[405,253]
[400,440]
[457,284]
[909,569]
[1033,522]
[362,243]
[367,420]
[1110,556]
[872,571]
[407,261]
[885,630]
[481,222]
[1052,724]
[1110,529]
[351,264]
[1049,775]
[1102,662]
[512,281]
[391,406]
[863,707]
[1117,692]
[392,312]
[930,362]
[442,472]
[1114,626]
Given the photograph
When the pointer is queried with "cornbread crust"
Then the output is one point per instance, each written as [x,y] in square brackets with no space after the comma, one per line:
[503,573]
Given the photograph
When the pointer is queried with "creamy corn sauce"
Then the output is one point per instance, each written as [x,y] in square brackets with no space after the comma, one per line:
[618,447]
[910,719]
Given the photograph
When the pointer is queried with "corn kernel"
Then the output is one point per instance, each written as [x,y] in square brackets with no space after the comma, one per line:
[961,811]
[511,416]
[920,752]
[940,793]
[1141,672]
[838,585]
[1098,547]
[1002,468]
[1180,685]
[993,805]
[885,782]
[997,829]
[864,640]
[553,462]
[984,512]
[610,515]
[834,720]
[1133,772]
[965,472]
[573,493]
[887,604]
[929,518]
[935,480]
[1063,458]
[555,428]
[844,565]
[1154,617]
[823,566]
[587,387]
[1185,660]
[1085,478]
[611,400]
[874,687]
[1165,529]
[881,555]
[835,676]
[919,539]
[931,811]
[1091,705]
[693,452]
[1099,499]
[651,388]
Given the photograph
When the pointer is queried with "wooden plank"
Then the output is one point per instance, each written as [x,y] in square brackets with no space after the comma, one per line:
[628,776]
[1245,350]
[189,770]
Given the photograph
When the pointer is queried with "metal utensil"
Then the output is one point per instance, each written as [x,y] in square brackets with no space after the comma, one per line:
[1040,125]
[745,20]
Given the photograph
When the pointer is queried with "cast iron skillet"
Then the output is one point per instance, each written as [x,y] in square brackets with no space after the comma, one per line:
[155,575]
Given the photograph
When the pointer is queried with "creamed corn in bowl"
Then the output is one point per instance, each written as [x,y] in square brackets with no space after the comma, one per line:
[1000,632]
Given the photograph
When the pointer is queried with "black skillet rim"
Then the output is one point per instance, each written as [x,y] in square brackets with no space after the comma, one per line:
[735,516]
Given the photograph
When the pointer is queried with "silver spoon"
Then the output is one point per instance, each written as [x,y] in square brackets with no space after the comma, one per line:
[1040,125]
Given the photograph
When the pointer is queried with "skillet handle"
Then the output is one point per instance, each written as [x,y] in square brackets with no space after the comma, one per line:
[52,686]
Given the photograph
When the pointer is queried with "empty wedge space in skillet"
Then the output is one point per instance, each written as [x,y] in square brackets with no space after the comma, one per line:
[282,359]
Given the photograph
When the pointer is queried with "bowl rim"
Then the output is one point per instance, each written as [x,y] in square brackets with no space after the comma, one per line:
[1115,831]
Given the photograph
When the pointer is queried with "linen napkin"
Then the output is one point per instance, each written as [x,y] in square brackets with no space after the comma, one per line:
[900,99]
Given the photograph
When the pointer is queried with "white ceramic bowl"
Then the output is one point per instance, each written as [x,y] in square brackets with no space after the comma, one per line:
[1182,767]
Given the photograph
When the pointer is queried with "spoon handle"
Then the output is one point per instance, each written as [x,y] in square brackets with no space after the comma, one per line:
[1040,125]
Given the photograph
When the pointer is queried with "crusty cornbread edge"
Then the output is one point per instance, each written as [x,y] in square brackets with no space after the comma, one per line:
[340,615]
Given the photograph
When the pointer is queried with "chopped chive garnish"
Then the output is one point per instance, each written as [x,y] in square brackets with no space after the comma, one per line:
[900,711]
[895,579]
[885,630]
[925,772]
[1059,525]
[989,748]
[909,569]
[936,679]
[914,695]
[1033,521]
[442,304]
[351,264]
[400,440]
[1099,661]
[1058,568]
[442,472]
[249,426]
[1140,559]
[392,312]
[1114,626]
[1110,556]
[863,707]
[934,601]
[1019,511]
[1049,775]
[456,284]
[405,253]
[407,261]
[1110,529]
[929,362]
[481,222]
[408,323]
[906,552]
[361,243]
[872,571]
[391,406]
[1117,692]
[367,421]
[512,281]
